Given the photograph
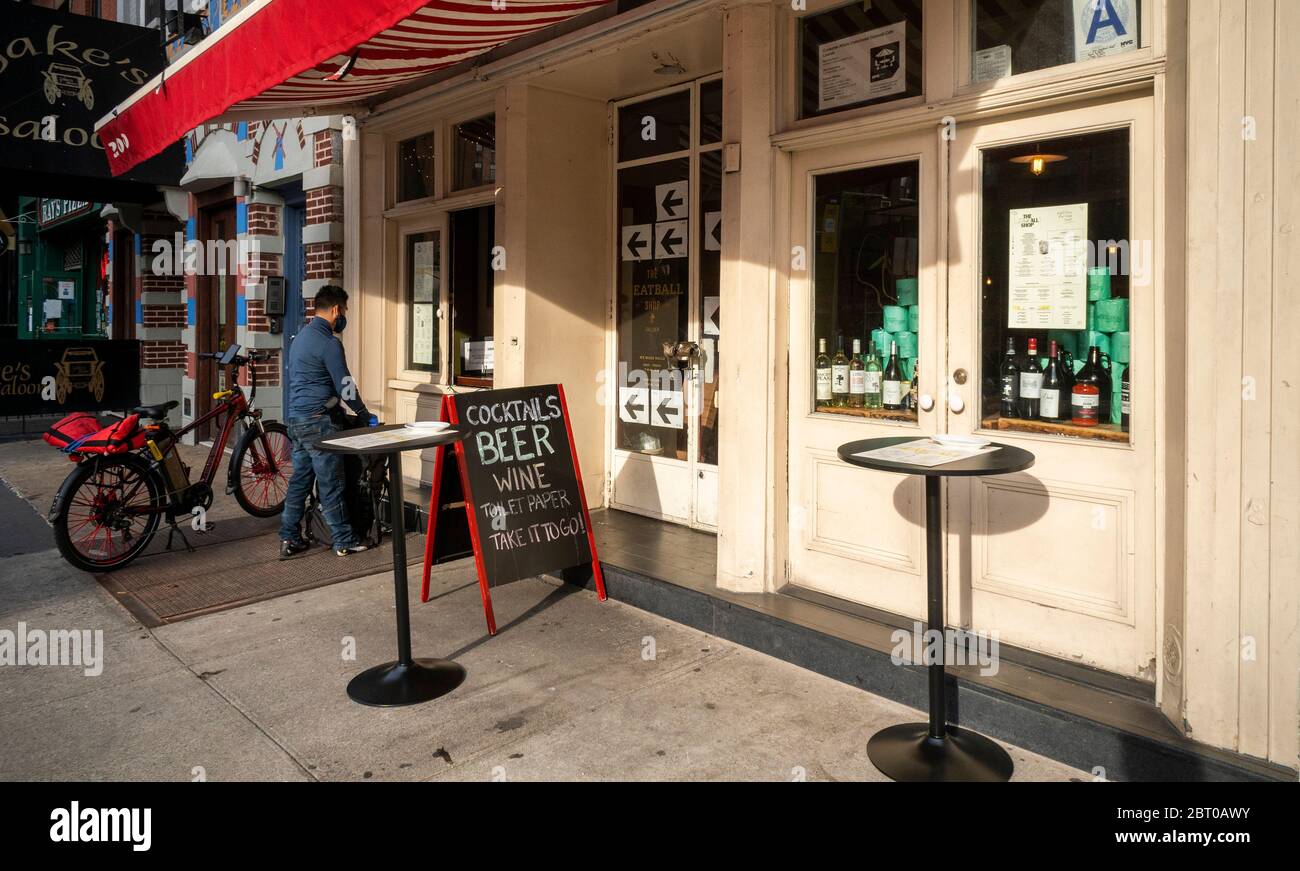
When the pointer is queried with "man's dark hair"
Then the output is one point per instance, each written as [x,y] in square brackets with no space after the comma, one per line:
[329,296]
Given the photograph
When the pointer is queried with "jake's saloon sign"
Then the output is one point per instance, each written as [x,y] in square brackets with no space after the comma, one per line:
[59,73]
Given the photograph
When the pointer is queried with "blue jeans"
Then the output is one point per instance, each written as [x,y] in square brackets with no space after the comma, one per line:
[326,470]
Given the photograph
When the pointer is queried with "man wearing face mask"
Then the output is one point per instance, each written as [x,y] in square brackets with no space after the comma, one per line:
[318,372]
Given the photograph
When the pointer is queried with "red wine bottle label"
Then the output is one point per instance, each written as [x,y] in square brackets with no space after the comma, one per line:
[1049,403]
[1085,405]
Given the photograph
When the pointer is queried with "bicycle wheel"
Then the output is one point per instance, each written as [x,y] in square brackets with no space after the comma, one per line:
[107,511]
[263,464]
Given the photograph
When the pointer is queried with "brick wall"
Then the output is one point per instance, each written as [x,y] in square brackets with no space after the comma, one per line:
[325,205]
[162,355]
[264,218]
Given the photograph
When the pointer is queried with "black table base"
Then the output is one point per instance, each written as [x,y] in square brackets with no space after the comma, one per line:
[909,753]
[937,751]
[394,683]
[404,681]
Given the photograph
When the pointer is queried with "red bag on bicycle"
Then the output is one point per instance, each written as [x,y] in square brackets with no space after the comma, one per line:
[125,435]
[72,429]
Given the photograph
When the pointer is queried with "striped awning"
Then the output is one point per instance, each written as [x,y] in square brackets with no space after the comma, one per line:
[297,55]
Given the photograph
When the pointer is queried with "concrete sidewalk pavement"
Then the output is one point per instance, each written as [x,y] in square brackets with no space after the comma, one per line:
[570,688]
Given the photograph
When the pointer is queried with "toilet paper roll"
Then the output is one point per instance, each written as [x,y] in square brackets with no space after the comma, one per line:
[914,318]
[1078,364]
[882,340]
[895,318]
[1119,347]
[1092,316]
[908,365]
[1112,315]
[905,290]
[1098,282]
[906,343]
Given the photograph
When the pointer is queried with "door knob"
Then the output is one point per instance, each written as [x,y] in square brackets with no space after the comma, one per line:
[926,401]
[956,403]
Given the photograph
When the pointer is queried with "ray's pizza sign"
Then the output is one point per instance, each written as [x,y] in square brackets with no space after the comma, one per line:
[59,73]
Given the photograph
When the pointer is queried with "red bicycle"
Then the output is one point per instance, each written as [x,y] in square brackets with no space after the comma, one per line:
[107,511]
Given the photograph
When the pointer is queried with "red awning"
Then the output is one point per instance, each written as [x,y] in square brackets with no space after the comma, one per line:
[293,54]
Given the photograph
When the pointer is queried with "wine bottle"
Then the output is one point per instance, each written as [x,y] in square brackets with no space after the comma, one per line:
[1065,366]
[840,376]
[892,386]
[875,398]
[857,377]
[913,401]
[1125,399]
[1049,395]
[1086,395]
[1010,381]
[1105,385]
[823,366]
[1031,382]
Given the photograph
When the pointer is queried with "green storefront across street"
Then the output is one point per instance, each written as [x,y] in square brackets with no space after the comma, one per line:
[62,276]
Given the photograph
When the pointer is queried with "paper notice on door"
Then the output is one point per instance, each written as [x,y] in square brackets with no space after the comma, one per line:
[1048,268]
[991,63]
[862,67]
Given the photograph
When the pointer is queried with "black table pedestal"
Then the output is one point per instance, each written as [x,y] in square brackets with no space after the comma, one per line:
[406,681]
[936,751]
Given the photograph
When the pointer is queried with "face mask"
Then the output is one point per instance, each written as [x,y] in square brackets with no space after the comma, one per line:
[340,323]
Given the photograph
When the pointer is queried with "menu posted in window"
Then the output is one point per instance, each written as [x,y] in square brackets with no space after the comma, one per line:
[863,67]
[1048,268]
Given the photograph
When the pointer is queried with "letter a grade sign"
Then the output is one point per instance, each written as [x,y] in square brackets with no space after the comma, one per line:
[520,486]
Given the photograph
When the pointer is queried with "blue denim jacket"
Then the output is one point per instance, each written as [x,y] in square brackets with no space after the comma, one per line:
[319,370]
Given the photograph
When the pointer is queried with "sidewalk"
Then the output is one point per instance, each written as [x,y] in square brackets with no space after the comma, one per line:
[571,688]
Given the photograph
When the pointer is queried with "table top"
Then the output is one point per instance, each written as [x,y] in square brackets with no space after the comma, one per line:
[419,440]
[1003,461]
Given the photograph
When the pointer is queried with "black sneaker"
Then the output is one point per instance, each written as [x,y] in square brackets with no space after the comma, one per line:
[290,549]
[346,551]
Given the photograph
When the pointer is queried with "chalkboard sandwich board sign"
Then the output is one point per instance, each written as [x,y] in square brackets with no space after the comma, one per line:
[520,486]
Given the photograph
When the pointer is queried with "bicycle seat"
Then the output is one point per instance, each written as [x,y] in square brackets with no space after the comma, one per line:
[156,411]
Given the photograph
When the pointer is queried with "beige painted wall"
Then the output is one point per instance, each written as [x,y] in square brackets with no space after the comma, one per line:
[1242,633]
[553,219]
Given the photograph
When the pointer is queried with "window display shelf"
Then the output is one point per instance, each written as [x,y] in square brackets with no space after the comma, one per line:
[1108,432]
[872,413]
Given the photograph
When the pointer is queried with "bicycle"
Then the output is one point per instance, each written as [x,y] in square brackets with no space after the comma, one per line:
[110,507]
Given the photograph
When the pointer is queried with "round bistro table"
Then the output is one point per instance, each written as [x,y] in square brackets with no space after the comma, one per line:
[405,681]
[937,751]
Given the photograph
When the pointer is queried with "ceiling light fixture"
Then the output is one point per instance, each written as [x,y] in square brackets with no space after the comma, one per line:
[1038,161]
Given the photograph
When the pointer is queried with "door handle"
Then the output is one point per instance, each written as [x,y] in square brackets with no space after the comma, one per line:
[926,401]
[956,403]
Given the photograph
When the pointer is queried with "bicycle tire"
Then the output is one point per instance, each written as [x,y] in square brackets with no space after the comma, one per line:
[69,541]
[256,504]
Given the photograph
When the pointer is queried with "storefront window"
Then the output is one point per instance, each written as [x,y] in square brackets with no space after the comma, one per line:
[415,167]
[858,55]
[1030,35]
[711,112]
[1058,272]
[866,311]
[423,294]
[474,151]
[661,125]
[710,254]
[472,234]
[653,305]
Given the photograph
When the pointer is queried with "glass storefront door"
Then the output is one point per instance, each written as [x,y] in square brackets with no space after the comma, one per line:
[1039,235]
[1052,251]
[864,308]
[665,400]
